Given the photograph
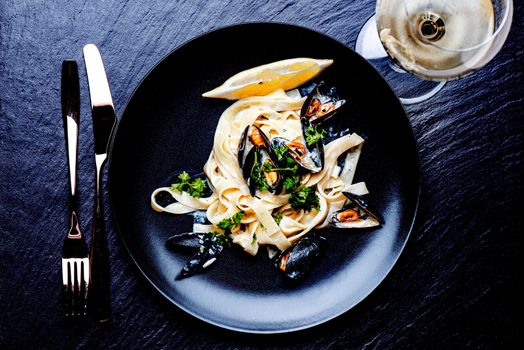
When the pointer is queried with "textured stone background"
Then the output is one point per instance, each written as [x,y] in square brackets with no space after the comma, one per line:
[454,286]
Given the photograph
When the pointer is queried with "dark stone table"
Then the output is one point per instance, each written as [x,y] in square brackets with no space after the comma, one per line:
[455,285]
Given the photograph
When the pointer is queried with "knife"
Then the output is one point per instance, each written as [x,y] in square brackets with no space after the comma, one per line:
[104,121]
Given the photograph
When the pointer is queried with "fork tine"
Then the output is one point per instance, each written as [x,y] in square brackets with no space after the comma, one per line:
[81,287]
[85,278]
[78,279]
[75,288]
[67,288]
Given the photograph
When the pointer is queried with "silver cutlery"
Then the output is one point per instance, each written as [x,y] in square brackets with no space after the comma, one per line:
[75,262]
[104,120]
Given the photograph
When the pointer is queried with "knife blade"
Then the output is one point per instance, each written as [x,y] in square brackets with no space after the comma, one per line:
[104,120]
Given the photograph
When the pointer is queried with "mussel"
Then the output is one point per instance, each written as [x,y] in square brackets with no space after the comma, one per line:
[358,213]
[185,240]
[311,159]
[321,104]
[256,163]
[209,247]
[300,257]
[252,137]
[273,178]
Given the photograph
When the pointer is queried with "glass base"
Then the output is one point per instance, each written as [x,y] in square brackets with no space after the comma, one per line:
[409,88]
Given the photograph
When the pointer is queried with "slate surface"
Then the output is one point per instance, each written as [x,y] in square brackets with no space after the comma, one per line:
[455,286]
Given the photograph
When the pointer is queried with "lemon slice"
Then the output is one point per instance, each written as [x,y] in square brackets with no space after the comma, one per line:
[262,80]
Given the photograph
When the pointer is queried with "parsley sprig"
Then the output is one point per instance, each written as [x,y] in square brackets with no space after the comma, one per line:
[291,182]
[268,168]
[313,135]
[257,176]
[283,156]
[194,188]
[304,198]
[232,222]
[288,168]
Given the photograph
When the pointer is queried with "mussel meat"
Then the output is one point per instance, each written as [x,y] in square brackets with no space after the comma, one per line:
[310,159]
[273,178]
[300,257]
[358,213]
[321,104]
[256,163]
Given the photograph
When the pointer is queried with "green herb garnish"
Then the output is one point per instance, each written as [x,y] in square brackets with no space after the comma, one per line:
[223,239]
[291,182]
[289,170]
[232,222]
[280,152]
[304,198]
[278,217]
[237,218]
[268,168]
[257,176]
[194,188]
[313,135]
[254,238]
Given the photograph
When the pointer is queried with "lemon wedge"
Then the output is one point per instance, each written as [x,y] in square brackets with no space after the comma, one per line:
[262,80]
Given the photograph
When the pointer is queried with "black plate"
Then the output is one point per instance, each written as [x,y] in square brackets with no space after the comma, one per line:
[167,126]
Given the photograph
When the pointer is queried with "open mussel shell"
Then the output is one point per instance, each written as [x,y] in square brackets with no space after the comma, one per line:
[247,168]
[351,217]
[254,150]
[363,204]
[321,104]
[309,159]
[252,137]
[316,150]
[208,252]
[185,240]
[260,157]
[273,178]
[357,213]
[298,259]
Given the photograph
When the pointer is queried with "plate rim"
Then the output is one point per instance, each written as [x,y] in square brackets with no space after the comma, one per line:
[247,330]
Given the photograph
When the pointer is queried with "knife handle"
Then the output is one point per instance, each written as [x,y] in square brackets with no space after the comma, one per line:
[99,259]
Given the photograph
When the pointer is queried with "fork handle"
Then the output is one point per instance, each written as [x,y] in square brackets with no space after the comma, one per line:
[99,256]
[71,116]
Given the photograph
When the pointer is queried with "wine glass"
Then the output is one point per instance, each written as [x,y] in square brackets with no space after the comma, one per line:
[436,40]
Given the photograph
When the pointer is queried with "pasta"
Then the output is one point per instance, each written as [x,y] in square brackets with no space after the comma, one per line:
[276,114]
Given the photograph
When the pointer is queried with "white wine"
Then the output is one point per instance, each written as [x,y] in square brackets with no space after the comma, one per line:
[436,39]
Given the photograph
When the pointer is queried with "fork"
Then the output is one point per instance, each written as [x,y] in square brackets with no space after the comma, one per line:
[75,261]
